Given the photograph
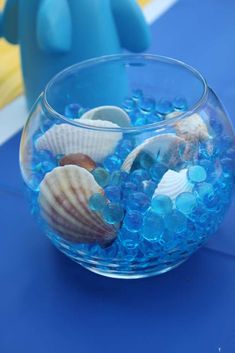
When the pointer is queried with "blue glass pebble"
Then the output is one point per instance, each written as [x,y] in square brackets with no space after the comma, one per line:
[180,103]
[112,163]
[154,118]
[197,174]
[101,176]
[186,202]
[140,120]
[161,204]
[157,171]
[47,166]
[113,213]
[175,221]
[129,240]
[137,94]
[133,221]
[97,202]
[153,227]
[124,148]
[138,175]
[115,178]
[148,187]
[113,193]
[138,201]
[164,107]
[129,105]
[72,110]
[147,105]
[204,190]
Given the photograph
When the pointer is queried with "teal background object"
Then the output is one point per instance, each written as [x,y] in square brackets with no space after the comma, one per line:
[54,34]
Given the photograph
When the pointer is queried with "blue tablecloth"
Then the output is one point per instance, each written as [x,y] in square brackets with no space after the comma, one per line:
[49,304]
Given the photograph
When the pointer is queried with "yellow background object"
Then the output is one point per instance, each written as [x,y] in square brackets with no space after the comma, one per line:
[10,74]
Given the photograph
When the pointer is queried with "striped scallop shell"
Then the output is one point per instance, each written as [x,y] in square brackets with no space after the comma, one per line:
[66,139]
[63,198]
[166,148]
[173,183]
[109,113]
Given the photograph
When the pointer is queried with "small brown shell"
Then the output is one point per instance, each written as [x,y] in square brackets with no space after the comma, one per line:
[79,159]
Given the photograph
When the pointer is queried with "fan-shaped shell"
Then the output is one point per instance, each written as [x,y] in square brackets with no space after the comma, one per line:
[173,183]
[63,198]
[109,113]
[66,139]
[166,148]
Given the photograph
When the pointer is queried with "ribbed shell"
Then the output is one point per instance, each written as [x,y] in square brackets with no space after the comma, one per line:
[63,198]
[192,128]
[165,146]
[66,139]
[173,183]
[109,113]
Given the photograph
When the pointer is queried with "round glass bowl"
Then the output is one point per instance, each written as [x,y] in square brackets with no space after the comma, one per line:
[129,163]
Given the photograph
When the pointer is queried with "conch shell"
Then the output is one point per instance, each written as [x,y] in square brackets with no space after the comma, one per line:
[166,148]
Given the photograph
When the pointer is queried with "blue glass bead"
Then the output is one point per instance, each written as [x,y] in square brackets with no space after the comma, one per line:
[186,202]
[112,163]
[148,187]
[146,160]
[97,202]
[208,165]
[175,221]
[153,227]
[129,105]
[116,178]
[138,175]
[205,150]
[47,166]
[59,157]
[133,221]
[44,155]
[101,176]
[138,201]
[227,164]
[113,193]
[129,240]
[180,103]
[230,153]
[113,213]
[137,94]
[147,105]
[197,174]
[72,110]
[204,190]
[140,120]
[157,171]
[124,148]
[164,107]
[127,189]
[161,204]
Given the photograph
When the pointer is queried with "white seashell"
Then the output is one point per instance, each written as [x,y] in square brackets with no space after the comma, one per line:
[172,115]
[167,148]
[173,183]
[66,139]
[109,113]
[63,198]
[192,128]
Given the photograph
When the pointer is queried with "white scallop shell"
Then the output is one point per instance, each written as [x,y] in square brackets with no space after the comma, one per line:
[173,183]
[192,128]
[109,113]
[163,147]
[63,198]
[66,139]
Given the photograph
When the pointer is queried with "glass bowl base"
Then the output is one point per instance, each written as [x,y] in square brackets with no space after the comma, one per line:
[135,274]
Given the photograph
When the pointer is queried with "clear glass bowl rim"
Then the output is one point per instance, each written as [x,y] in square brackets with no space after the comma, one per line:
[126,57]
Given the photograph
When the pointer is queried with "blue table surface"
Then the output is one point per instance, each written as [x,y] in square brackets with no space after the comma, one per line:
[50,304]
